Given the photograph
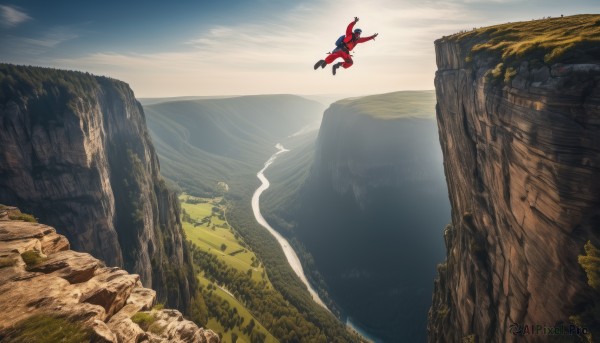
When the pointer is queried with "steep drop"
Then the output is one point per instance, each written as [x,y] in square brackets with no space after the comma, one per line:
[519,132]
[74,150]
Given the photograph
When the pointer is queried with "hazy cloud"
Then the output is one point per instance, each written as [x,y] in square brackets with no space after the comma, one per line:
[275,53]
[11,16]
[19,49]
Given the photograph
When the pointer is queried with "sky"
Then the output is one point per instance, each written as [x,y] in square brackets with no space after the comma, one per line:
[228,47]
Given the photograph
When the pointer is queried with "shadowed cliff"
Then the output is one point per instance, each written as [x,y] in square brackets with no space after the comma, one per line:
[74,150]
[366,208]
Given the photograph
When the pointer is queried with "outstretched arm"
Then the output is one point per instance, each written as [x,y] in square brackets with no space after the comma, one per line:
[365,39]
[350,27]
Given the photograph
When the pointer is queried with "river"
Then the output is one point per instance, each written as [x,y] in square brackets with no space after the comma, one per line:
[289,252]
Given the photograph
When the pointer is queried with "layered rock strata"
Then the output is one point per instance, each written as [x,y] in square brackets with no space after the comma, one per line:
[41,277]
[522,162]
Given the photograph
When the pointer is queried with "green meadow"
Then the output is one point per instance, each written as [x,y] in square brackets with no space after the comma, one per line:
[233,305]
[206,226]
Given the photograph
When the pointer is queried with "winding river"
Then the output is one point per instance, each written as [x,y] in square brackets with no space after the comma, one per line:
[290,254]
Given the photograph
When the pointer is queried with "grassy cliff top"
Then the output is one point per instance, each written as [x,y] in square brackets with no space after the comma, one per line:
[396,105]
[552,38]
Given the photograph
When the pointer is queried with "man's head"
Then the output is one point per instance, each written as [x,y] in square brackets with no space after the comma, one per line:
[357,32]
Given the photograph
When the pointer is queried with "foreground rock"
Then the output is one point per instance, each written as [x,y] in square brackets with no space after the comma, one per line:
[42,280]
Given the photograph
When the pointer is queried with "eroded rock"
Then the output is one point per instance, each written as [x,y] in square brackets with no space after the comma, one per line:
[67,284]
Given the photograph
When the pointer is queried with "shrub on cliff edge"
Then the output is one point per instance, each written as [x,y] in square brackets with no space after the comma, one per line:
[590,262]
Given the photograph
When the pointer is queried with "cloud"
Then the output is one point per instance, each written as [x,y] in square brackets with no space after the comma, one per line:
[11,16]
[275,54]
[271,56]
[29,50]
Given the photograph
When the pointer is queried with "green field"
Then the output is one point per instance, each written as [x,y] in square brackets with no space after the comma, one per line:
[214,325]
[205,225]
[210,232]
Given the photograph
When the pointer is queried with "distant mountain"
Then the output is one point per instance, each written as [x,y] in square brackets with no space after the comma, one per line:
[222,139]
[368,201]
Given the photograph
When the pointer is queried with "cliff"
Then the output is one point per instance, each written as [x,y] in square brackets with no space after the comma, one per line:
[519,119]
[74,150]
[50,293]
[370,210]
[376,142]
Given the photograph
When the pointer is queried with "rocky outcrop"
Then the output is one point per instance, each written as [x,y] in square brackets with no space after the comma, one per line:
[74,150]
[522,163]
[41,278]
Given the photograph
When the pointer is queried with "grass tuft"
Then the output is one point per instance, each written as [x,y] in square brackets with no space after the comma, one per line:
[552,38]
[43,328]
[590,262]
[143,319]
[32,258]
[23,216]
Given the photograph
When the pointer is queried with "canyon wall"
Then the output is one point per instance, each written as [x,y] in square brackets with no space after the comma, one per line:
[520,137]
[75,151]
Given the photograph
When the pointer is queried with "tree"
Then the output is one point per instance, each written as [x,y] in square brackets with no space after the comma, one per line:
[223,247]
[198,310]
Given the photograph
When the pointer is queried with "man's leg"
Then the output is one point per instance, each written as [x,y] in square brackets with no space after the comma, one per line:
[348,62]
[333,56]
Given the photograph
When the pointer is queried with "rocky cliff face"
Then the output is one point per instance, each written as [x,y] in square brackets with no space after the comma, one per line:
[522,160]
[74,150]
[51,293]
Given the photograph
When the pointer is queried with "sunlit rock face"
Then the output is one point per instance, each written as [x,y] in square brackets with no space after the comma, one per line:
[522,163]
[41,279]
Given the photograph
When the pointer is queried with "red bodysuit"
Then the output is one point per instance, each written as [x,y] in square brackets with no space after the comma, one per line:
[350,44]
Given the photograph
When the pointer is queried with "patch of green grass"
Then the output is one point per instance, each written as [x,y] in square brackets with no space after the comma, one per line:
[498,71]
[44,328]
[158,307]
[509,74]
[22,216]
[550,38]
[7,262]
[414,104]
[214,325]
[32,258]
[157,329]
[212,240]
[469,339]
[143,319]
[197,211]
[443,311]
[590,262]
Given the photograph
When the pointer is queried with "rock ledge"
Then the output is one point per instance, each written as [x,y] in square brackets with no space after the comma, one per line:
[39,275]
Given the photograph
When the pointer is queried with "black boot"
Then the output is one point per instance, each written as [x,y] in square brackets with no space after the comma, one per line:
[320,63]
[335,66]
